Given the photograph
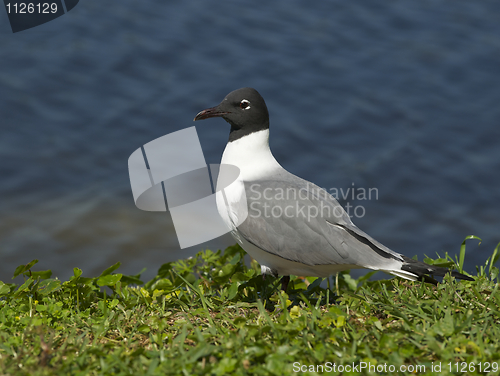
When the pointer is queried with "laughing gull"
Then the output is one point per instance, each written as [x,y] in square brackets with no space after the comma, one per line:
[293,227]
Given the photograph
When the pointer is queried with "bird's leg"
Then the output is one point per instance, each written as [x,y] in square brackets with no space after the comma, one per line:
[284,282]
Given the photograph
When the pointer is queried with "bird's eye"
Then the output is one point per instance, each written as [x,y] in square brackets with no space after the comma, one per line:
[245,104]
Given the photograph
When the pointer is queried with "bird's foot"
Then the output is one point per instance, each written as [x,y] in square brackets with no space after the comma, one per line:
[284,282]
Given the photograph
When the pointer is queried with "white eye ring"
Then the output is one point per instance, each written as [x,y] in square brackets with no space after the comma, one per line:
[245,104]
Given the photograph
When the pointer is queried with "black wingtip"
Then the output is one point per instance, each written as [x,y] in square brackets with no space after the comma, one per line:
[461,276]
[428,279]
[423,270]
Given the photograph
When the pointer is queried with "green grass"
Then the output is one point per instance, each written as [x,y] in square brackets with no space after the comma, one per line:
[213,315]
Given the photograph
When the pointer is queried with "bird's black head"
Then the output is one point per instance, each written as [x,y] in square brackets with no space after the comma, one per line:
[244,109]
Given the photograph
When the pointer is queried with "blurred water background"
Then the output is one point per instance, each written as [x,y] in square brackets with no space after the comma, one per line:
[401,96]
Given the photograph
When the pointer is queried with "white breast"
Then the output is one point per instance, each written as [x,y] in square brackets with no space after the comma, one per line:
[252,156]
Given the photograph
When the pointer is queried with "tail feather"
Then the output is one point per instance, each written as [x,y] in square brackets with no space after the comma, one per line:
[401,274]
[422,270]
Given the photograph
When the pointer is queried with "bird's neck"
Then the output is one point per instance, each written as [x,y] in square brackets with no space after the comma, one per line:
[252,155]
[238,132]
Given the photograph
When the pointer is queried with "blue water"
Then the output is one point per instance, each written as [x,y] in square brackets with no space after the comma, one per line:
[400,96]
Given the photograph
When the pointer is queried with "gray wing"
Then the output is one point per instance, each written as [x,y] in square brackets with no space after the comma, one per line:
[296,220]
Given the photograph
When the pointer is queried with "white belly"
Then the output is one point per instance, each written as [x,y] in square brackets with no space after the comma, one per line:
[230,202]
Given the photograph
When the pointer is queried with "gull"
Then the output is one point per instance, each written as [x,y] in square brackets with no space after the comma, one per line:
[293,227]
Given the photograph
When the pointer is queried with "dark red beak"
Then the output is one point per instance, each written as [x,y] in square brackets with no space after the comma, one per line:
[209,112]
